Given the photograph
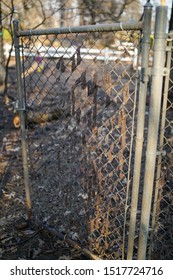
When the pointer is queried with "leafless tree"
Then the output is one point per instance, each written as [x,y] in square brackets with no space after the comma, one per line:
[30,13]
[7,14]
[100,11]
[42,13]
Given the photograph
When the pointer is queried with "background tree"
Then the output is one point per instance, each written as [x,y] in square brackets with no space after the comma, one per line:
[55,13]
[101,11]
[30,13]
[2,70]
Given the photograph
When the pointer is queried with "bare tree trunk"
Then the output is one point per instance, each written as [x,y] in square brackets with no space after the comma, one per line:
[62,13]
[2,70]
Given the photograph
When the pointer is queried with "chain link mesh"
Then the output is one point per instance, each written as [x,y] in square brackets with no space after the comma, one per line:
[80,98]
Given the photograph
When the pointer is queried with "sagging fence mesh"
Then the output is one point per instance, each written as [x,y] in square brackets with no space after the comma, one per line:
[80,100]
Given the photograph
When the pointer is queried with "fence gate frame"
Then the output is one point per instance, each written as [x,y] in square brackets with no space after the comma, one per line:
[157,74]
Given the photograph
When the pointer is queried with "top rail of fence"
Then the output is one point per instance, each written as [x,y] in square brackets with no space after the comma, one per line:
[122,26]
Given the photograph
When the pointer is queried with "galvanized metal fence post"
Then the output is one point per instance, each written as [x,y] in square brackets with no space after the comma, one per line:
[1,39]
[153,126]
[22,117]
[140,124]
[161,142]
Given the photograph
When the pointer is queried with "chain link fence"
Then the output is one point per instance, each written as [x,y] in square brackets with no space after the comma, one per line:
[80,99]
[88,140]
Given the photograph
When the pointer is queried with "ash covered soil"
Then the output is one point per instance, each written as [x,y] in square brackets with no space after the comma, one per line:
[57,144]
[20,239]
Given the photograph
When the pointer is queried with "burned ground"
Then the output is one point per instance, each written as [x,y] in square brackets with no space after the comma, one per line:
[79,124]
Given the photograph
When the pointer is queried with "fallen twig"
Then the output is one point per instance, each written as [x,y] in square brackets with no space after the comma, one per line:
[64,237]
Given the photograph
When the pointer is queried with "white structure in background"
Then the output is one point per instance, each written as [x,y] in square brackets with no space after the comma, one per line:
[106,54]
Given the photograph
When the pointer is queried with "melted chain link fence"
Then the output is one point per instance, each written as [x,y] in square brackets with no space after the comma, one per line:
[79,101]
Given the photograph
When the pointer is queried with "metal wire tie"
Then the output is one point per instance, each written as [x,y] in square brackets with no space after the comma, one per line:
[69,29]
[21,109]
[161,153]
[121,26]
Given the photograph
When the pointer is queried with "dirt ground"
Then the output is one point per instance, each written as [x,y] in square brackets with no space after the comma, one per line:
[58,198]
[20,239]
